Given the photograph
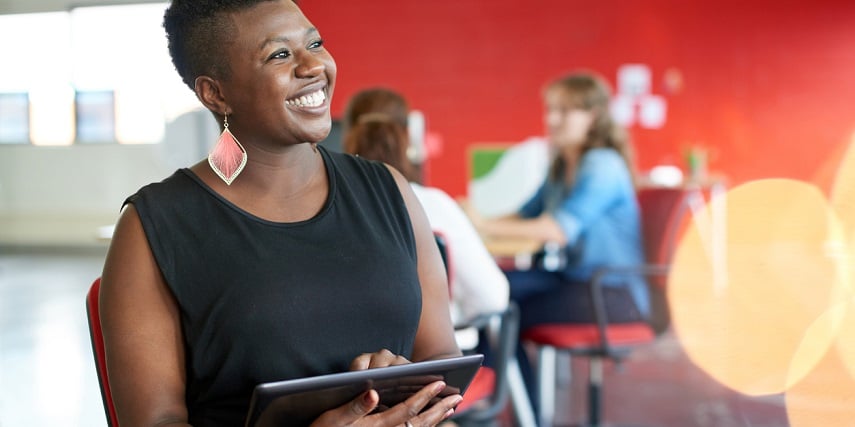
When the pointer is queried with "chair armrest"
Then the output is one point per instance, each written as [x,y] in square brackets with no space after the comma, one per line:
[598,300]
[503,349]
[480,321]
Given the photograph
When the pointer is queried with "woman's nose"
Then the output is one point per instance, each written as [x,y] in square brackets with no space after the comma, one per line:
[309,66]
[551,119]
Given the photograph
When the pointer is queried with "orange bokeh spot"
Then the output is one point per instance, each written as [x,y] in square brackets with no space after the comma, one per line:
[747,313]
[843,201]
[843,192]
[826,396]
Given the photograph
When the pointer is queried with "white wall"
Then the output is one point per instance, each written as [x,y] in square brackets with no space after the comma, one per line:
[29,6]
[61,195]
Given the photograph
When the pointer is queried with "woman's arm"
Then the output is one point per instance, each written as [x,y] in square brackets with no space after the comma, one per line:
[600,181]
[531,222]
[543,228]
[435,336]
[142,334]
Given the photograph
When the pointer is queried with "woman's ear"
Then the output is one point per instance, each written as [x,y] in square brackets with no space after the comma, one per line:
[597,111]
[208,91]
[596,116]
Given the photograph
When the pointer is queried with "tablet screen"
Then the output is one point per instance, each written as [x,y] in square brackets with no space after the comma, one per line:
[299,402]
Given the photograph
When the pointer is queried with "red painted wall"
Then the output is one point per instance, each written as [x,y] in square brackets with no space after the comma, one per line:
[768,85]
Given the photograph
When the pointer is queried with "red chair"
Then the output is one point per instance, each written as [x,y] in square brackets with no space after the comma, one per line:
[663,211]
[97,339]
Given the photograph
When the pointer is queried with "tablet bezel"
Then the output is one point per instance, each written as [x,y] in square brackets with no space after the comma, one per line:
[278,400]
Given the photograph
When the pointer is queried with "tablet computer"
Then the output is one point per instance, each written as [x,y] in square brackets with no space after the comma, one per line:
[300,401]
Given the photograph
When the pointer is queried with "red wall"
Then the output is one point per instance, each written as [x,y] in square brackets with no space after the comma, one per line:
[768,85]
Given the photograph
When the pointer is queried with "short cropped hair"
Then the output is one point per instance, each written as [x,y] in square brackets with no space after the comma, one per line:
[196,31]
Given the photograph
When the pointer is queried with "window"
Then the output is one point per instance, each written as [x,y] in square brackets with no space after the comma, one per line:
[14,118]
[96,118]
[92,75]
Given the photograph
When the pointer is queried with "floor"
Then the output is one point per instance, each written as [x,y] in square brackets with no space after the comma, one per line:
[659,386]
[47,376]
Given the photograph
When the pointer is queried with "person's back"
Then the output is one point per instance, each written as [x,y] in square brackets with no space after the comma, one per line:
[478,286]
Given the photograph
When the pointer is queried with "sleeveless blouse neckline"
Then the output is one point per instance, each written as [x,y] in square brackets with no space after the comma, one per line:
[328,166]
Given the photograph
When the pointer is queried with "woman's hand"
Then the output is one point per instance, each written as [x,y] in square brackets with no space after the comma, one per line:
[358,412]
[378,359]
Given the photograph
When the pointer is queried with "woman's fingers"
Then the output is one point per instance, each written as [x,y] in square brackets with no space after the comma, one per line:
[377,359]
[358,412]
[413,409]
[350,413]
[425,407]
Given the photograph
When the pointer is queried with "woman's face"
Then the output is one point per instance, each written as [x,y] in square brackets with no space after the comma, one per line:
[282,77]
[566,124]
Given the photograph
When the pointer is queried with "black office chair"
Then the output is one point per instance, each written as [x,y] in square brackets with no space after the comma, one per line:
[487,396]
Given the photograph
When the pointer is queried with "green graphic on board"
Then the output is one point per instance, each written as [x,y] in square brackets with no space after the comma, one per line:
[484,160]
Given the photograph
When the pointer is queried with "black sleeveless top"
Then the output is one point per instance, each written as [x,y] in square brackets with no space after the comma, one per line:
[264,301]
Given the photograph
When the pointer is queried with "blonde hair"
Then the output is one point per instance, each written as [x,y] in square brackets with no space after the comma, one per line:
[590,92]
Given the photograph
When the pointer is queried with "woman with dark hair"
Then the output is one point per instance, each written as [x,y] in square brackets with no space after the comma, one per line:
[272,259]
[477,284]
[380,100]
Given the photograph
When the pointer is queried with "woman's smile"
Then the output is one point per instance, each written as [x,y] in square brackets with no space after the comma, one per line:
[313,99]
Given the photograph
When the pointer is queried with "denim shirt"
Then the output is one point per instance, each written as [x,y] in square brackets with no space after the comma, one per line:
[599,215]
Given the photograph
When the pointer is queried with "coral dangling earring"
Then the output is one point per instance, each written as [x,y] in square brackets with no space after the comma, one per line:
[228,157]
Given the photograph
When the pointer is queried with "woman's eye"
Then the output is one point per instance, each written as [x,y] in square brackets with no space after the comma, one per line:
[282,54]
[316,45]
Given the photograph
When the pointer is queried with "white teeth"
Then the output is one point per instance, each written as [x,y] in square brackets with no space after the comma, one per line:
[311,100]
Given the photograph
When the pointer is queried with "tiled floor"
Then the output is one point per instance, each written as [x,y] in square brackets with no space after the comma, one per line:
[659,386]
[47,377]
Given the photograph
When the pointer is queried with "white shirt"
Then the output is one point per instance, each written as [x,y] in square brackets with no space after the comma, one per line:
[477,284]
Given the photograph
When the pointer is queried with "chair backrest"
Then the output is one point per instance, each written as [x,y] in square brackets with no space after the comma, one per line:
[488,393]
[502,343]
[444,252]
[663,215]
[663,212]
[97,339]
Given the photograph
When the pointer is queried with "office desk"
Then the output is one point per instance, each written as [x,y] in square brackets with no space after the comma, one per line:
[511,247]
[512,253]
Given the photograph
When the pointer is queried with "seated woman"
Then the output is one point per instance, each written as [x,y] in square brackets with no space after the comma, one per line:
[374,131]
[262,263]
[587,205]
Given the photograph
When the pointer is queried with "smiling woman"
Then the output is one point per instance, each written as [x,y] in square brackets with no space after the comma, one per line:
[203,257]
